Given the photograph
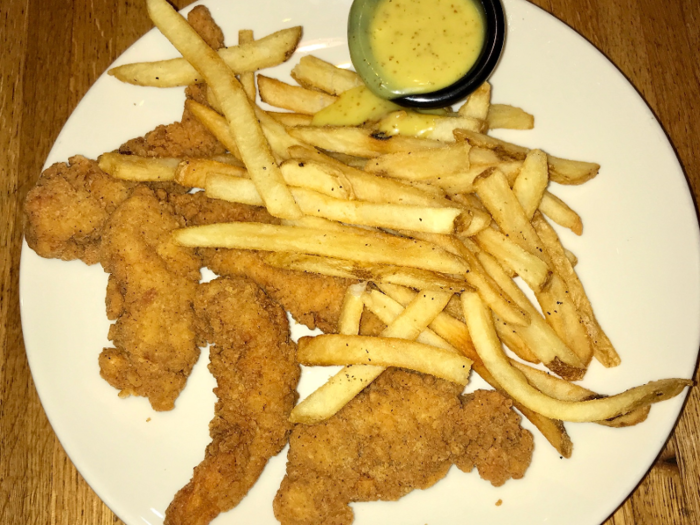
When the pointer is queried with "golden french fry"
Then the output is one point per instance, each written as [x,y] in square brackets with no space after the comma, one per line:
[532,181]
[269,51]
[561,389]
[423,164]
[562,171]
[509,117]
[562,316]
[328,350]
[514,382]
[359,142]
[603,349]
[313,73]
[247,78]
[351,311]
[540,337]
[434,127]
[311,176]
[362,246]
[216,124]
[413,277]
[478,103]
[293,98]
[140,169]
[557,210]
[243,124]
[533,270]
[193,173]
[291,120]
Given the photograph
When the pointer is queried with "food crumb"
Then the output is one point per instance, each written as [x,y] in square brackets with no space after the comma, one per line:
[148,420]
[499,503]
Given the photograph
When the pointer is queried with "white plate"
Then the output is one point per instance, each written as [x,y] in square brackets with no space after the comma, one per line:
[639,259]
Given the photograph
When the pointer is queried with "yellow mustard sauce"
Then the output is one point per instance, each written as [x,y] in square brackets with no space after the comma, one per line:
[425,45]
[407,123]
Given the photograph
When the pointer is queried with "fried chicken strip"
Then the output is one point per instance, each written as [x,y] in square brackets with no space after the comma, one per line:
[401,433]
[253,361]
[150,293]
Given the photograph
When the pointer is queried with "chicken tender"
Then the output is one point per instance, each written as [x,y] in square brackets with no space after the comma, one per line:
[401,433]
[67,209]
[253,361]
[150,293]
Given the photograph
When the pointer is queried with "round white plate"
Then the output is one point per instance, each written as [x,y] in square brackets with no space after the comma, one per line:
[639,259]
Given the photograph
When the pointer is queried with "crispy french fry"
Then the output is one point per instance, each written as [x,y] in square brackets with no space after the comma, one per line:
[216,124]
[423,164]
[363,247]
[359,142]
[562,171]
[141,169]
[533,270]
[291,120]
[509,117]
[313,73]
[538,335]
[326,350]
[557,210]
[247,78]
[434,127]
[293,98]
[489,349]
[193,173]
[266,52]
[243,124]
[561,389]
[478,103]
[413,277]
[532,181]
[351,312]
[603,349]
[311,176]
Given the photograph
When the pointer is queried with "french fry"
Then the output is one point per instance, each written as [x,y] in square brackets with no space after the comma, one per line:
[562,171]
[489,349]
[532,181]
[313,177]
[423,164]
[412,277]
[557,210]
[313,73]
[351,311]
[538,335]
[359,142]
[293,98]
[362,246]
[603,349]
[243,124]
[328,350]
[351,380]
[434,127]
[269,51]
[478,103]
[290,120]
[561,389]
[216,124]
[509,117]
[533,270]
[193,173]
[247,78]
[139,169]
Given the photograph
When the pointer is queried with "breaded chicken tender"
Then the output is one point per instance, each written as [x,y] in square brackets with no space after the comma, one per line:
[67,209]
[400,434]
[150,293]
[253,361]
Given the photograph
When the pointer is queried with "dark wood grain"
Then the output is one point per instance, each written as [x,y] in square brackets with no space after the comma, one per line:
[52,52]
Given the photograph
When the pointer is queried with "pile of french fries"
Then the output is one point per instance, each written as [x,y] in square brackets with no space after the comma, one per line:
[436,227]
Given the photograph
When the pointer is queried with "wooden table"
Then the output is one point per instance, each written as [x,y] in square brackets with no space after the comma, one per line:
[53,51]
